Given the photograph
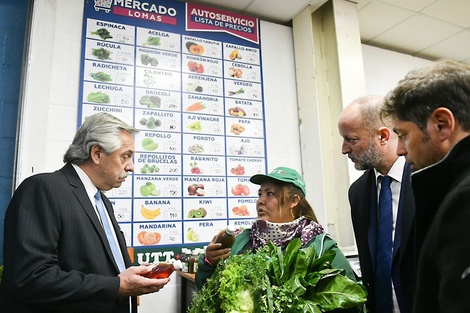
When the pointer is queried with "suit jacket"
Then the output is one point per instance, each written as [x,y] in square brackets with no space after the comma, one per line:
[442,225]
[56,255]
[363,201]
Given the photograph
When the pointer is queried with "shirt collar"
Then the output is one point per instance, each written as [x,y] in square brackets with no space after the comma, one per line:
[396,171]
[90,188]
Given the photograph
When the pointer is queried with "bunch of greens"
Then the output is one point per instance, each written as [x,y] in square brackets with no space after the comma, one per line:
[273,280]
[98,97]
[103,33]
[152,41]
[101,76]
[101,53]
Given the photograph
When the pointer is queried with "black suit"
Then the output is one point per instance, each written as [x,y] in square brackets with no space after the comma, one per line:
[56,255]
[363,201]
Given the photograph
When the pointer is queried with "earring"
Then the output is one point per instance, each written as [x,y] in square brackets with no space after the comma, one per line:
[291,213]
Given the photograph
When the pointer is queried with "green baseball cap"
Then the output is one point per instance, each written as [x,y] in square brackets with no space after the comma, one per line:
[283,174]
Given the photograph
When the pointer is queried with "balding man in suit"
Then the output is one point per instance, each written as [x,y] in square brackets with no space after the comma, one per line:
[372,146]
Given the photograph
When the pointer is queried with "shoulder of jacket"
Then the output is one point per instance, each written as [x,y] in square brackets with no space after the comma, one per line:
[365,177]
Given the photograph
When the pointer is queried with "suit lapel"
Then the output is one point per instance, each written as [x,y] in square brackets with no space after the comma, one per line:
[82,197]
[372,220]
[406,209]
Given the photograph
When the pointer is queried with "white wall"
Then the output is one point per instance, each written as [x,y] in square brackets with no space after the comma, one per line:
[383,68]
[382,71]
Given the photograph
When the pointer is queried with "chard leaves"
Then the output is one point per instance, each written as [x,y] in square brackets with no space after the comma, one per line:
[274,280]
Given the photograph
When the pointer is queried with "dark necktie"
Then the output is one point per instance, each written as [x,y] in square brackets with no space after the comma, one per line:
[109,233]
[383,275]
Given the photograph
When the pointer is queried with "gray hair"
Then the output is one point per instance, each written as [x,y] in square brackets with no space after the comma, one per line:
[370,110]
[100,129]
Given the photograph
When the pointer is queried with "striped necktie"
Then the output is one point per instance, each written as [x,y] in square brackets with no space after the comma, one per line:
[109,232]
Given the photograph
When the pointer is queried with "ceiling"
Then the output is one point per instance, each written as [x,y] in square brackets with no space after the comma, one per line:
[430,29]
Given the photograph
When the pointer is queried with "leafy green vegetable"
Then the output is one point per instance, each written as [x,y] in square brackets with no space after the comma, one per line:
[103,33]
[149,80]
[101,53]
[101,76]
[152,41]
[98,97]
[235,287]
[272,280]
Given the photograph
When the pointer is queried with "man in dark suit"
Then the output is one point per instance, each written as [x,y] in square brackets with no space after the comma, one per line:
[57,257]
[372,147]
[430,111]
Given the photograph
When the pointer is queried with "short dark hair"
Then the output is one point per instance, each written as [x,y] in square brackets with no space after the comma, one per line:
[444,84]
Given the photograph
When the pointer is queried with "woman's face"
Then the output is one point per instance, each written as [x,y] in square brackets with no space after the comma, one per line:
[267,205]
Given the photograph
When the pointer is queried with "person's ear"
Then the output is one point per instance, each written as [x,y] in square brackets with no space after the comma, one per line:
[295,201]
[444,121]
[96,153]
[384,134]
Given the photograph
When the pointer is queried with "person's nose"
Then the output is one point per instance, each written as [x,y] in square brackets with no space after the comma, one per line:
[130,166]
[401,150]
[345,148]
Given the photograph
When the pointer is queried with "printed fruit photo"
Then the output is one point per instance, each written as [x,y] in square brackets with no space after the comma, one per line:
[149,189]
[240,190]
[196,190]
[192,235]
[149,238]
[149,214]
[241,210]
[197,213]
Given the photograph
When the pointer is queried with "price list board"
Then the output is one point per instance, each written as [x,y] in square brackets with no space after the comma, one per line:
[190,79]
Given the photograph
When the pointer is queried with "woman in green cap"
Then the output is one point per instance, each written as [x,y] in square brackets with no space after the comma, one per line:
[283,214]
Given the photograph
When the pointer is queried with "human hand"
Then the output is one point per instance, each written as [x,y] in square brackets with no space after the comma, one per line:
[132,283]
[215,252]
